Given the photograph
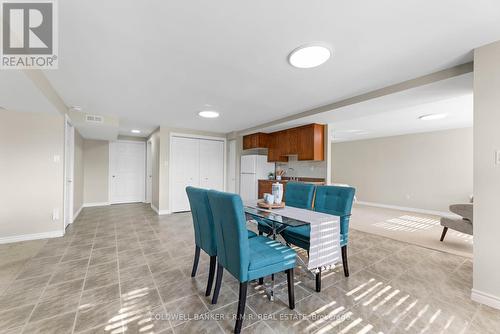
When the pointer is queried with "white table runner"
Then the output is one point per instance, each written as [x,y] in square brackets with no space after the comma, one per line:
[324,251]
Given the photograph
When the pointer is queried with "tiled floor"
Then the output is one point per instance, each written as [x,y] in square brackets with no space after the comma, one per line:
[123,269]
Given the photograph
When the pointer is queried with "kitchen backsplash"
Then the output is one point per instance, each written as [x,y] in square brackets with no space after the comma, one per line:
[303,168]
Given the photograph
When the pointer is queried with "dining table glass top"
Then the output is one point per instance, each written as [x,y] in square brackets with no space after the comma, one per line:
[273,216]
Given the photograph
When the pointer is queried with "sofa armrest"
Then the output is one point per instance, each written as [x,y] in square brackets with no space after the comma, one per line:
[464,210]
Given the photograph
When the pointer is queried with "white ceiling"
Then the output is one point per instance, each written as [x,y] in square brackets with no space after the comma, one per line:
[160,62]
[398,113]
[459,112]
[18,93]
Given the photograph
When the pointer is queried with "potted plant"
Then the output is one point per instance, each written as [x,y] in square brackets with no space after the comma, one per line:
[270,176]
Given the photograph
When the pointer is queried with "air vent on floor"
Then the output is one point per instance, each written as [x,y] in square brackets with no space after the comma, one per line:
[94,119]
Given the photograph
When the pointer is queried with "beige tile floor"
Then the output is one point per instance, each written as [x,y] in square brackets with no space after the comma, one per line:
[123,269]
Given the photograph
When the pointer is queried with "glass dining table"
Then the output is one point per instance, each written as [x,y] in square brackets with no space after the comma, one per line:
[273,219]
[277,223]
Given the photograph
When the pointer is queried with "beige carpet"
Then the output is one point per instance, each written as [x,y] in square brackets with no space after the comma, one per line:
[419,229]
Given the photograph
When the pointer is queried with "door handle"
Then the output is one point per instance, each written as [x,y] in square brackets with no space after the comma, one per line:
[69,181]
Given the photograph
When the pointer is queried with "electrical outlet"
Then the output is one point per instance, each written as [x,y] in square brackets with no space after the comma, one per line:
[55,214]
[57,158]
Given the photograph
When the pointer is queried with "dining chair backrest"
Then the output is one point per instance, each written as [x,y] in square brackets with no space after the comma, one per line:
[337,201]
[204,229]
[299,195]
[230,233]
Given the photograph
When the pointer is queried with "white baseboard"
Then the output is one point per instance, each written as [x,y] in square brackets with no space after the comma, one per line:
[485,298]
[402,208]
[77,213]
[90,205]
[27,237]
[160,212]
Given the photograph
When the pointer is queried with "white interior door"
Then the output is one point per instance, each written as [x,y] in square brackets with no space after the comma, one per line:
[69,162]
[127,171]
[149,173]
[231,167]
[185,170]
[212,164]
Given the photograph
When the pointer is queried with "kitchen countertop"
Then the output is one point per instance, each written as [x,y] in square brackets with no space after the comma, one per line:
[299,179]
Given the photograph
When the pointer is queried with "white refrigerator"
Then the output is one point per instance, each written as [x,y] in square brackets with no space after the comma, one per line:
[252,169]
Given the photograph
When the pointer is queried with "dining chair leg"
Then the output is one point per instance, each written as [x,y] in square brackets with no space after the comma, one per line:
[344,261]
[241,307]
[291,290]
[218,282]
[445,229]
[211,273]
[318,281]
[196,260]
[261,280]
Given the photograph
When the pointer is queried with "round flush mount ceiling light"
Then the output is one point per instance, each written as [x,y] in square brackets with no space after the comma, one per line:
[310,55]
[208,114]
[135,131]
[432,117]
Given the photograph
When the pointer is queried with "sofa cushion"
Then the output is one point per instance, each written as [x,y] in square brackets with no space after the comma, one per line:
[457,224]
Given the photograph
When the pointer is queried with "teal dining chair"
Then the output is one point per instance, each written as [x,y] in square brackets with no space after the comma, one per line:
[204,231]
[334,200]
[245,258]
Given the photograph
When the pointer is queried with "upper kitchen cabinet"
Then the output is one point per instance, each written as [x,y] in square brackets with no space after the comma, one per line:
[306,142]
[311,142]
[256,140]
[278,146]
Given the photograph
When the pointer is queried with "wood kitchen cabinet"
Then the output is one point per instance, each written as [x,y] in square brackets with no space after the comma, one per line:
[311,143]
[256,140]
[293,139]
[278,143]
[306,142]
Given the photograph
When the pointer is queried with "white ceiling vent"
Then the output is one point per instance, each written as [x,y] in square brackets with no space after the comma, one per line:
[94,119]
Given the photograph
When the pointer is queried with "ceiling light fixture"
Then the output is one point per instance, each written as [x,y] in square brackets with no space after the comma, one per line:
[432,117]
[310,55]
[208,114]
[135,131]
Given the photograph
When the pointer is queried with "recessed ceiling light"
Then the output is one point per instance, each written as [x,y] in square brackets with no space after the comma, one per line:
[208,114]
[135,131]
[309,55]
[432,117]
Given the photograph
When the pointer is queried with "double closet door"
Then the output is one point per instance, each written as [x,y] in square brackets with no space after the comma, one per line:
[195,162]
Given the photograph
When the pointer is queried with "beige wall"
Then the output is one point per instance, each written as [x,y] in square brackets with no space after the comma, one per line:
[426,171]
[78,173]
[96,171]
[486,286]
[30,178]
